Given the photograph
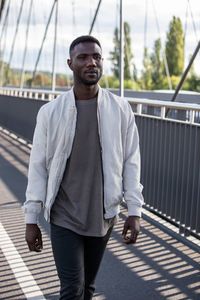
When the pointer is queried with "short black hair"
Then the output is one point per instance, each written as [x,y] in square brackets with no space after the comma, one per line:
[83,39]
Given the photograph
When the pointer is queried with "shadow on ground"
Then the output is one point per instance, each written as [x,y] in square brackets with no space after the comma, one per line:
[159,266]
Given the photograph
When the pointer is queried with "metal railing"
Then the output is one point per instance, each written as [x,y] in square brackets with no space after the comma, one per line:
[185,112]
[29,93]
[170,147]
[179,111]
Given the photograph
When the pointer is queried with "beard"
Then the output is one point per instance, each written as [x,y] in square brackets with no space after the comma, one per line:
[88,81]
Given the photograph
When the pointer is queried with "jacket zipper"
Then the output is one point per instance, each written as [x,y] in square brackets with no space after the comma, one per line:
[101,149]
[58,177]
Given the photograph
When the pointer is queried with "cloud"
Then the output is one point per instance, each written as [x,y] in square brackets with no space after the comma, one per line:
[76,20]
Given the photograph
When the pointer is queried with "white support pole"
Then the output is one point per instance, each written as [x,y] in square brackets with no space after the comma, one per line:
[121,78]
[54,50]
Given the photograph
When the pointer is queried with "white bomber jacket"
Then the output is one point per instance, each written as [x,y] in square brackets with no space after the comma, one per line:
[52,144]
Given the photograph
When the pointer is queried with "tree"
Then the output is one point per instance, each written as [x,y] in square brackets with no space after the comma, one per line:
[157,66]
[146,77]
[175,47]
[194,83]
[40,79]
[128,56]
[115,54]
[4,72]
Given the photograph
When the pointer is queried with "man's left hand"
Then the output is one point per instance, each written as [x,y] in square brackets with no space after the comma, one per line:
[132,223]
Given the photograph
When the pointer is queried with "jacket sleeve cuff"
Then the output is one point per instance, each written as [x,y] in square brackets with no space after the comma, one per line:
[134,210]
[31,218]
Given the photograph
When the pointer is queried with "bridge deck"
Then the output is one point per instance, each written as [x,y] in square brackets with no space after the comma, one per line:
[160,266]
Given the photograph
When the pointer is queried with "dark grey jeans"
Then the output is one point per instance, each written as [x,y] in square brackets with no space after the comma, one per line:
[77,260]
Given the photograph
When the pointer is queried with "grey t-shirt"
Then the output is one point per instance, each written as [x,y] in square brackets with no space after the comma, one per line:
[79,202]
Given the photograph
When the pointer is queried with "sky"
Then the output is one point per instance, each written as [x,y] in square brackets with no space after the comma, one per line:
[75,18]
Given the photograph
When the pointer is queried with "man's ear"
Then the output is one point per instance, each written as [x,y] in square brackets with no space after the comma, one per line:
[69,62]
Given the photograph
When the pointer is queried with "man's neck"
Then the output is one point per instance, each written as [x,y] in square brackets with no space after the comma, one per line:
[85,92]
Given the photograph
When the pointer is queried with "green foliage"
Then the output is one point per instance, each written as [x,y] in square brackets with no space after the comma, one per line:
[131,85]
[115,54]
[62,80]
[146,78]
[193,83]
[128,56]
[190,84]
[113,82]
[4,72]
[41,79]
[152,77]
[175,47]
[174,81]
[157,66]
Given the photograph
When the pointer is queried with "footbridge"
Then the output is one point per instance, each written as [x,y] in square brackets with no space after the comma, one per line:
[164,264]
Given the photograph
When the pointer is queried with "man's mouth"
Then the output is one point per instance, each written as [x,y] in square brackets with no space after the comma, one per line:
[91,72]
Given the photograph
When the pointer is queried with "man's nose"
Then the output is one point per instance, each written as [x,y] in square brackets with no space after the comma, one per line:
[91,61]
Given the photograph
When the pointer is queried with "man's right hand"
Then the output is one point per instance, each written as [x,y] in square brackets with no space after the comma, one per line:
[34,237]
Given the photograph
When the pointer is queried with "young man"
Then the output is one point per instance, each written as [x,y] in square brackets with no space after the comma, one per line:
[85,159]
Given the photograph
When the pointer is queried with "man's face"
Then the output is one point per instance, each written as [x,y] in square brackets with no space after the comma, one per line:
[86,63]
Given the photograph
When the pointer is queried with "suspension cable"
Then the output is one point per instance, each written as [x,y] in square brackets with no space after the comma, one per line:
[15,35]
[95,16]
[163,50]
[2,7]
[26,43]
[145,24]
[5,20]
[3,49]
[41,47]
[73,16]
[193,22]
[186,20]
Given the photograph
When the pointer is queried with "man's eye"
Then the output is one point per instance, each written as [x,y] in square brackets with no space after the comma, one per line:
[82,57]
[97,57]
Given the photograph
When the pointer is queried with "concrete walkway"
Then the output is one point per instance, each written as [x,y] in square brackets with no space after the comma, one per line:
[160,266]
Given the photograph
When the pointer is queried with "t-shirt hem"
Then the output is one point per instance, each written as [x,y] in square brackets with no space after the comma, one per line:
[84,233]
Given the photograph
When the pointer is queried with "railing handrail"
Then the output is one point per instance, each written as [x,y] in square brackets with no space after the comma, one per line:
[168,104]
[40,91]
[149,102]
[190,109]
